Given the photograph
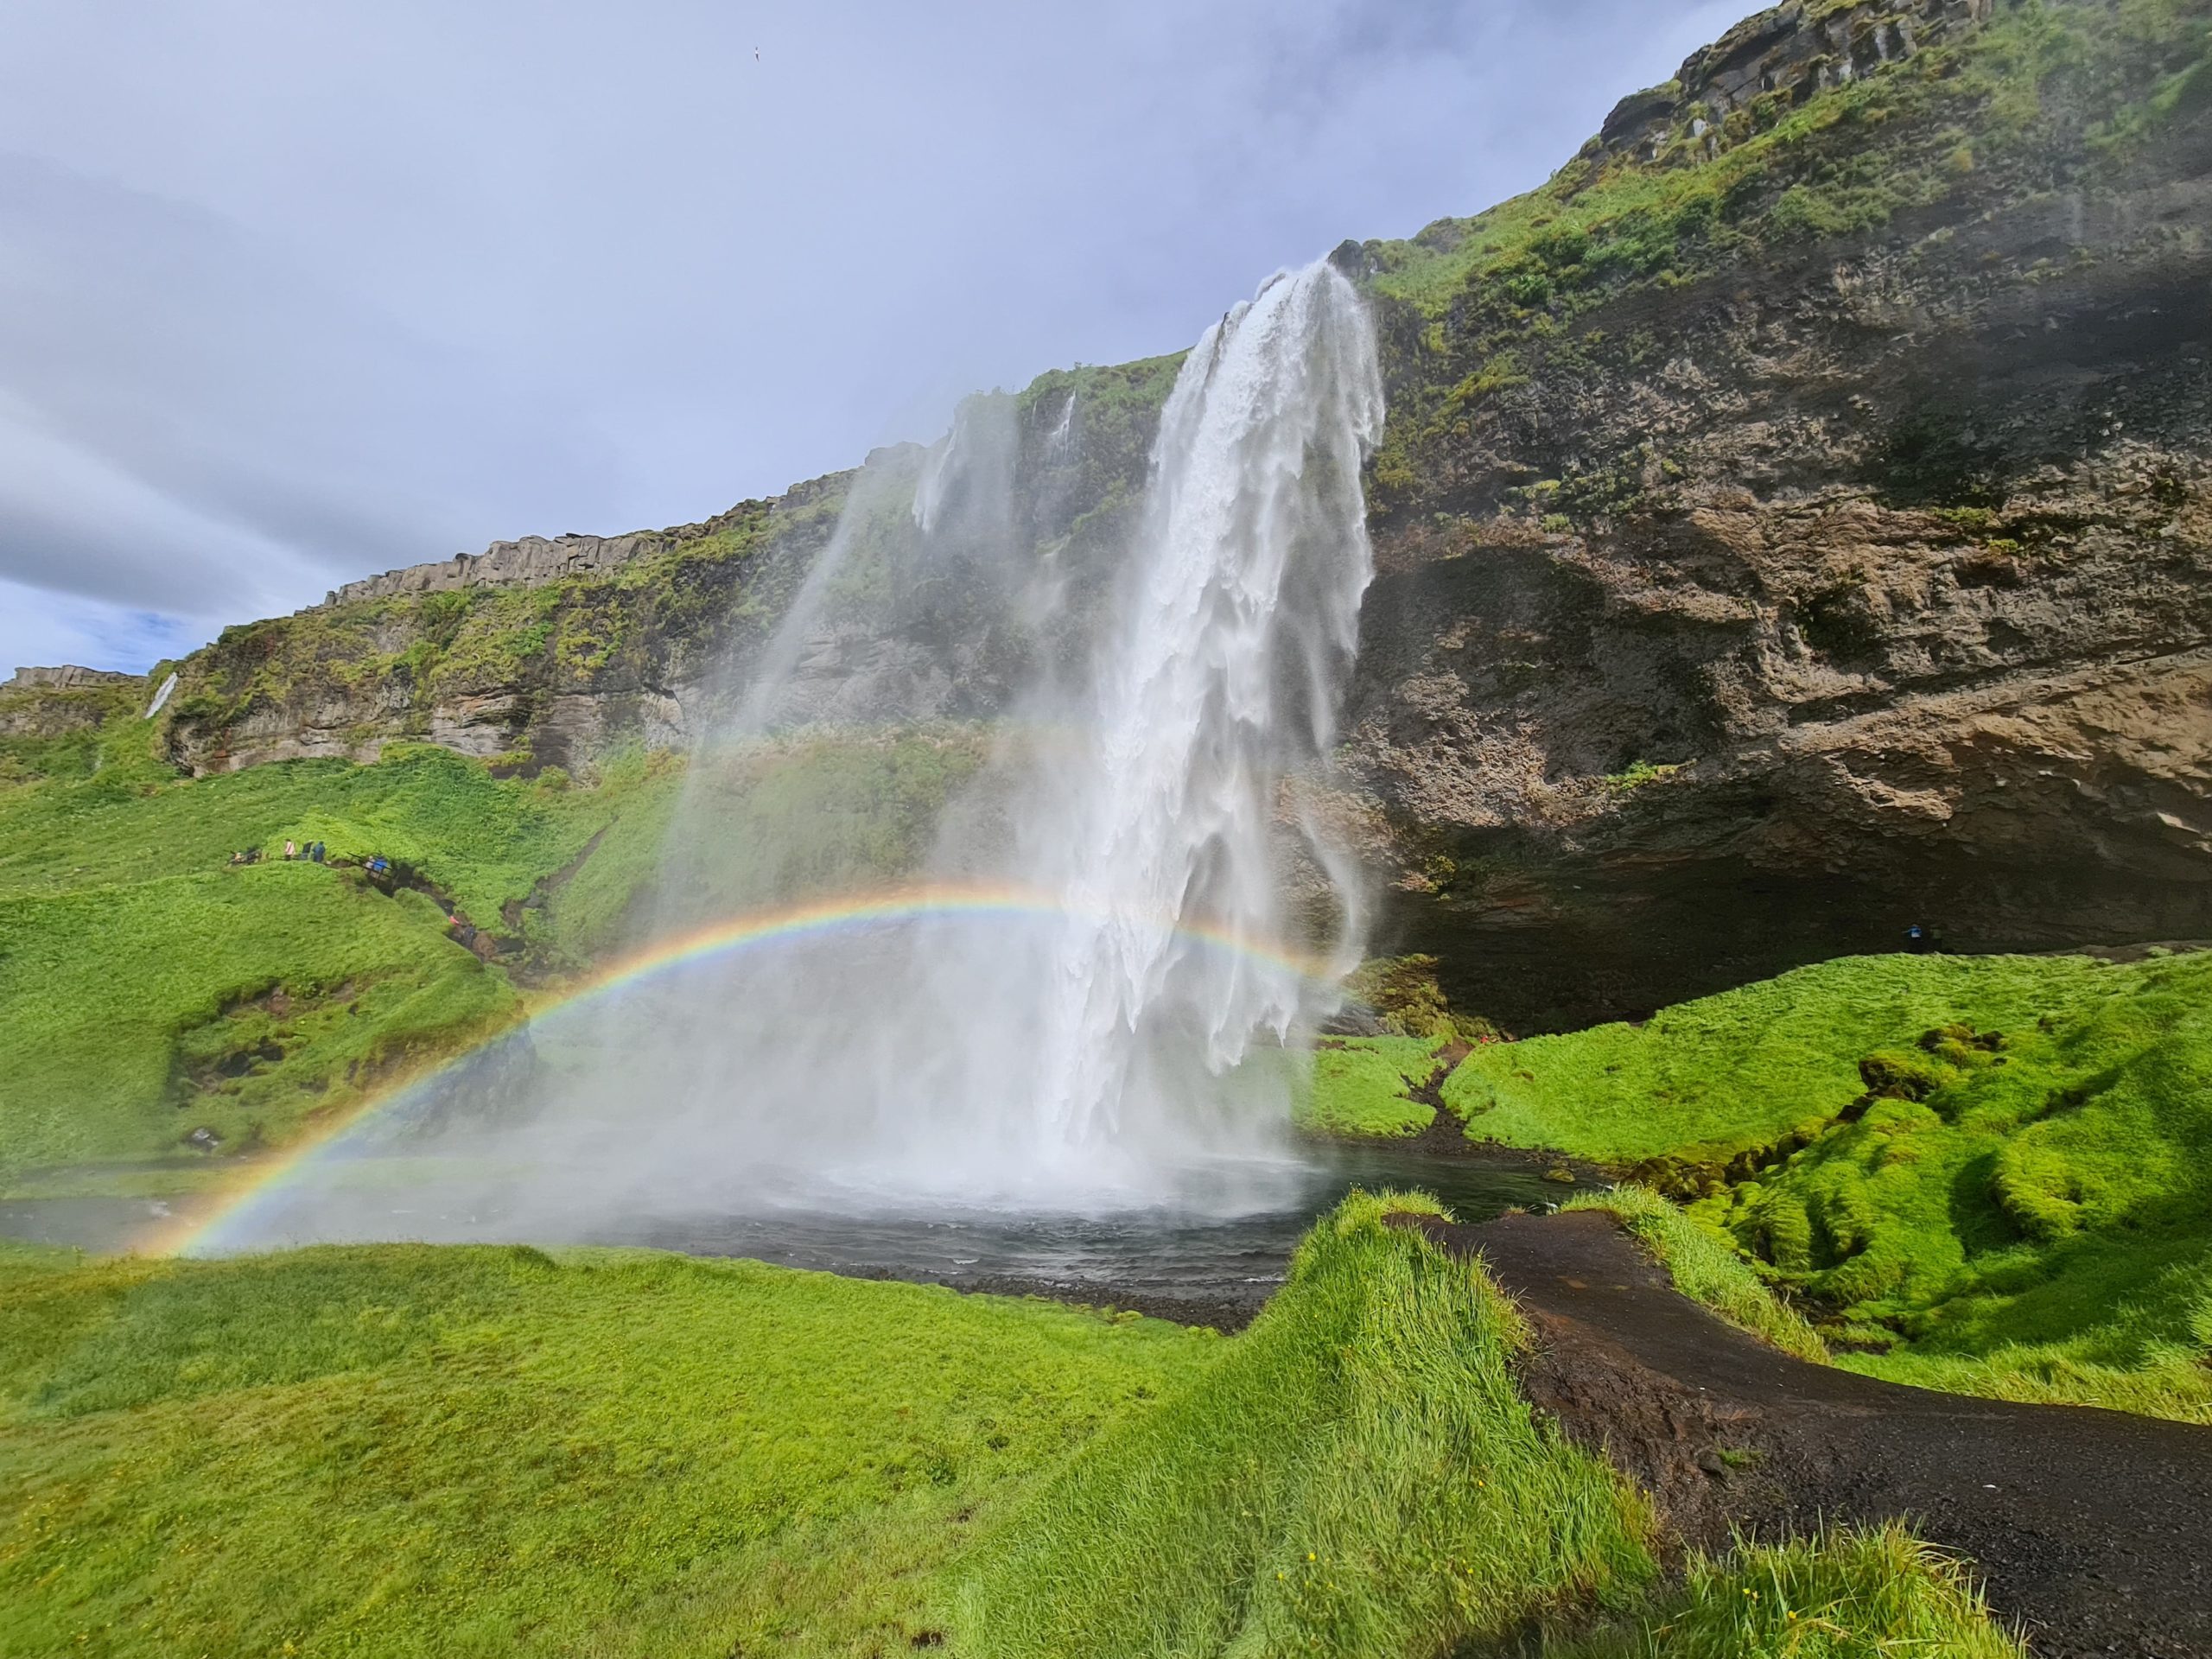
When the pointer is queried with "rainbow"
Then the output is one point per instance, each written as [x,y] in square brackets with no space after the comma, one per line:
[758,931]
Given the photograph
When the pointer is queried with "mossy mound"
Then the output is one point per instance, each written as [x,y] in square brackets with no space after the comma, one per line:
[1981,1174]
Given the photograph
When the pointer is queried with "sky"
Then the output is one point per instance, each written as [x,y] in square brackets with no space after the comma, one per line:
[294,293]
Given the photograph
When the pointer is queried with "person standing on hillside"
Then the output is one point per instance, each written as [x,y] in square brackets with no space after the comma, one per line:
[291,851]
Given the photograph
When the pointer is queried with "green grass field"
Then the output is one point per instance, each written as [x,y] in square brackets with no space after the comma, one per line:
[154,992]
[406,1450]
[396,1451]
[162,1005]
[1363,1086]
[1983,1174]
[141,1014]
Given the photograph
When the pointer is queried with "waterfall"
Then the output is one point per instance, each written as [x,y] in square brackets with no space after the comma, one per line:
[1062,434]
[1222,675]
[1119,1030]
[1132,1028]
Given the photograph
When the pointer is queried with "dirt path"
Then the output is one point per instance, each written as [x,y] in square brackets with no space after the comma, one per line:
[2092,1528]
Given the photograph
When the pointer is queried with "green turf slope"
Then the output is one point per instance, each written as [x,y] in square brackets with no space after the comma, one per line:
[1363,1086]
[161,1006]
[1709,1078]
[1358,1475]
[160,1003]
[409,1450]
[1981,1174]
[141,1016]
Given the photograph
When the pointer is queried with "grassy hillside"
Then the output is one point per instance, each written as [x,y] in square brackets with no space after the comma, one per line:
[164,1005]
[218,1009]
[407,1451]
[400,1450]
[1978,1174]
[1703,1081]
[162,1002]
[812,812]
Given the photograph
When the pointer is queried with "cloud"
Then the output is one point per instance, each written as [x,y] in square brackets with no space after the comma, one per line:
[306,292]
[38,627]
[188,419]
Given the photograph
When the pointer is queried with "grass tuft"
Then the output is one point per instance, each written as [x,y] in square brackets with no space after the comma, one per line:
[1873,1594]
[1357,1475]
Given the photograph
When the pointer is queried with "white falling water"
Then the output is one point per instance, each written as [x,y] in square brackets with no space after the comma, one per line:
[1241,622]
[1062,435]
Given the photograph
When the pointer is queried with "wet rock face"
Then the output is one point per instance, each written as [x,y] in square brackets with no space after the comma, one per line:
[1881,593]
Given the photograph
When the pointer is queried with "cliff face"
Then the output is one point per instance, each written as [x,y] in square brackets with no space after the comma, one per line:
[511,657]
[535,561]
[1796,51]
[1835,556]
[62,702]
[1795,523]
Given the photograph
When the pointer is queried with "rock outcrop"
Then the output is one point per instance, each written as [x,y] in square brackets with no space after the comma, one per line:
[1792,54]
[544,652]
[60,702]
[68,677]
[531,562]
[521,659]
[1836,584]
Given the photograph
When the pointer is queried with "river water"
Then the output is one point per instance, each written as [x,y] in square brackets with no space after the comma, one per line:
[1179,1262]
